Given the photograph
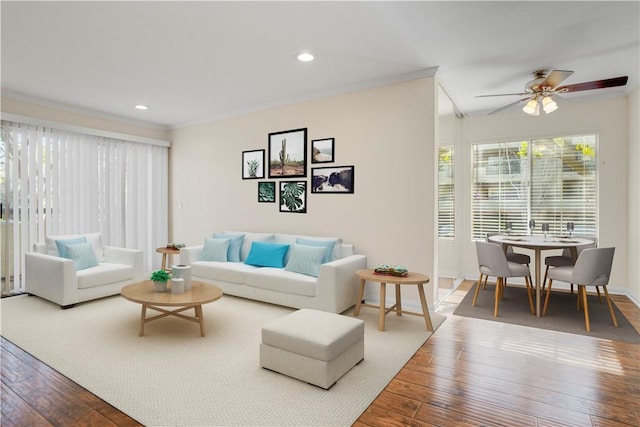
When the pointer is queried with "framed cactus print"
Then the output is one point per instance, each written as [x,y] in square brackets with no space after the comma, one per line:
[253,164]
[288,154]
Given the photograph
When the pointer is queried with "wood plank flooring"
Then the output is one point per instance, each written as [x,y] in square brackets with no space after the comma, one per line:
[469,373]
[483,373]
[34,394]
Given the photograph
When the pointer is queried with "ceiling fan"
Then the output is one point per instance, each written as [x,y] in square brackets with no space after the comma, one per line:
[539,92]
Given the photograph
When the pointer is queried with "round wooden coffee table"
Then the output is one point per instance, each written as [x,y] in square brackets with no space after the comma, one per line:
[410,279]
[143,293]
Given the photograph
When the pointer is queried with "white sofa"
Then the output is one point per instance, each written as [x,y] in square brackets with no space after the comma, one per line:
[54,278]
[334,290]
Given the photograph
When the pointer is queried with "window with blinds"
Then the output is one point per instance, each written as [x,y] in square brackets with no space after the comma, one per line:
[550,180]
[446,196]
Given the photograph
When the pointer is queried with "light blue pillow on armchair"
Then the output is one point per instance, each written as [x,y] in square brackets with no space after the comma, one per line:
[264,254]
[305,259]
[215,250]
[82,255]
[62,245]
[233,254]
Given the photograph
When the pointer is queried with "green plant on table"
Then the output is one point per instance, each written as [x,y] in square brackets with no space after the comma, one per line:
[160,276]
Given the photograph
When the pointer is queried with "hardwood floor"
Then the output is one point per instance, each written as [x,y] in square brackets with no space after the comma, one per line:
[472,373]
[469,373]
[33,394]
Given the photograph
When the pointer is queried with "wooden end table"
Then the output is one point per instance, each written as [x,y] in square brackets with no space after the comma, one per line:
[410,279]
[165,253]
[143,293]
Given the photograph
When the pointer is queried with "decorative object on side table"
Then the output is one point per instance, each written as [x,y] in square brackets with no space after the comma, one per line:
[391,270]
[160,279]
[175,245]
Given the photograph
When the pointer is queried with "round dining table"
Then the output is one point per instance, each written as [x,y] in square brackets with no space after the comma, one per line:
[539,243]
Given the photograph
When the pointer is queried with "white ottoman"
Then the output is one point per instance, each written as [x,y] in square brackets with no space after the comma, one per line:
[313,346]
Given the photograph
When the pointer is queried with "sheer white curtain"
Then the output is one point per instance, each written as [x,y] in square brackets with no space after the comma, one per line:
[63,182]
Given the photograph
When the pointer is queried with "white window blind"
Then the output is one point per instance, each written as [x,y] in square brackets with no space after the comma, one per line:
[446,194]
[550,180]
[63,182]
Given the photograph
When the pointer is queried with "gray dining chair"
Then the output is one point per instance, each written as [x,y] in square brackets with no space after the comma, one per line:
[592,268]
[492,261]
[512,256]
[566,259]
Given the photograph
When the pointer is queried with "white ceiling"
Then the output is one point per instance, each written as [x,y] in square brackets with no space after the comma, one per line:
[193,62]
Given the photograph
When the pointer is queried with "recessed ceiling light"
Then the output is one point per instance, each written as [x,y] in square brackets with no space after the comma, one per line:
[141,107]
[305,57]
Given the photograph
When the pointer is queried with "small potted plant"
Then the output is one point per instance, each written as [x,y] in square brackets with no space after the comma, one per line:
[160,279]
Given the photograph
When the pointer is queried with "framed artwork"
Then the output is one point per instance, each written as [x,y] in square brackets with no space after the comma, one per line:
[322,150]
[253,164]
[288,154]
[266,192]
[335,179]
[293,196]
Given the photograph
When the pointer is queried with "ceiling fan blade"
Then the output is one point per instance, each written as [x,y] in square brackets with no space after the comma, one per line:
[596,84]
[504,94]
[555,78]
[510,105]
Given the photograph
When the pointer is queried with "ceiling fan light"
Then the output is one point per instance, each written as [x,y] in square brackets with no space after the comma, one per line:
[532,107]
[549,105]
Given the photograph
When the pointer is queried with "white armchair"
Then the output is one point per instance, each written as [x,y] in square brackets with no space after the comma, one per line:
[54,278]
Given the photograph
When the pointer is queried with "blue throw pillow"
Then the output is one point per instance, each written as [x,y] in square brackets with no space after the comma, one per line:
[328,244]
[62,245]
[305,259]
[263,254]
[215,250]
[233,254]
[82,255]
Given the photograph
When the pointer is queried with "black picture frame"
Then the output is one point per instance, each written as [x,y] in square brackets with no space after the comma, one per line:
[333,179]
[266,192]
[322,150]
[295,154]
[255,171]
[293,196]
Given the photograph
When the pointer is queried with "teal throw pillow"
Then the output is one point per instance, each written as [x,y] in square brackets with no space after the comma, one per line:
[233,254]
[215,250]
[263,254]
[305,259]
[82,255]
[328,244]
[62,245]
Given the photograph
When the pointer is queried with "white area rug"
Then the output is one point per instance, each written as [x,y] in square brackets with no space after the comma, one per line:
[172,376]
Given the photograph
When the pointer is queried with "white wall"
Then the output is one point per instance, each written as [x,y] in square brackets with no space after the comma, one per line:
[606,118]
[387,133]
[633,277]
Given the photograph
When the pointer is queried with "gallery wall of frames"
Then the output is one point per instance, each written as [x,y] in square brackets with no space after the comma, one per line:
[282,173]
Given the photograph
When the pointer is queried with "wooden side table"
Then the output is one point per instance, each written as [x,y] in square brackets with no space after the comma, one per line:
[165,252]
[410,279]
